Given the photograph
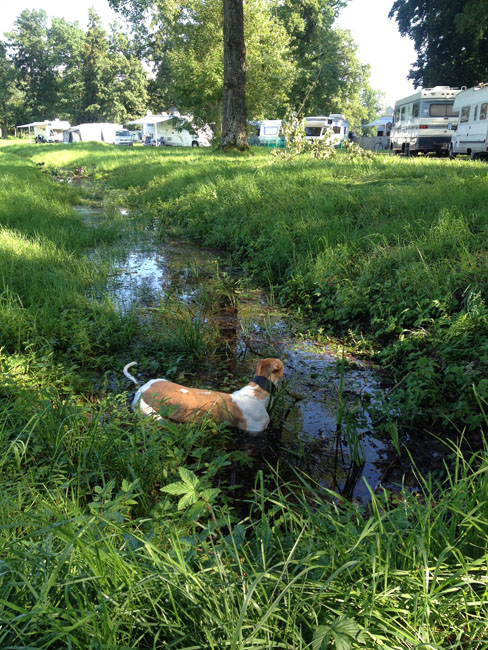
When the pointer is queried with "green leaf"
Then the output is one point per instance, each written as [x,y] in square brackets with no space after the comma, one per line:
[188,477]
[343,630]
[175,488]
[189,499]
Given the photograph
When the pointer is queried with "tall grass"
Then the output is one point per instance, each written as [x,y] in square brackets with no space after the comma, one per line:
[99,549]
[92,557]
[388,251]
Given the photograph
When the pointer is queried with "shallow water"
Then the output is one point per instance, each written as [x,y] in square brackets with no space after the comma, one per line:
[323,426]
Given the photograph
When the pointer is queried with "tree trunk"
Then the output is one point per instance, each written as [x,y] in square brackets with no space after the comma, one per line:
[234,118]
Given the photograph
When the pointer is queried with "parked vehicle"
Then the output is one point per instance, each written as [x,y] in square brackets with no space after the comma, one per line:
[420,121]
[333,128]
[174,129]
[123,137]
[470,135]
[46,131]
[267,133]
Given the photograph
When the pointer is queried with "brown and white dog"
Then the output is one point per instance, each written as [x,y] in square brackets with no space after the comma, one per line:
[244,408]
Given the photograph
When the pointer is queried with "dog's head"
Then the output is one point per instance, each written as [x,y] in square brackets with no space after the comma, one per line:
[272,369]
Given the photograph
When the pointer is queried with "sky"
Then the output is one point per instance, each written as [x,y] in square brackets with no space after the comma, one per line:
[379,42]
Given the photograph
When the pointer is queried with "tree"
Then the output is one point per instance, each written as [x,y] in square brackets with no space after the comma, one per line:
[234,115]
[11,98]
[451,40]
[29,53]
[65,43]
[96,64]
[126,96]
[234,118]
[190,69]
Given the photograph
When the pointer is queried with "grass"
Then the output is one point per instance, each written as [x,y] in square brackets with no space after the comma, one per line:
[117,532]
[388,253]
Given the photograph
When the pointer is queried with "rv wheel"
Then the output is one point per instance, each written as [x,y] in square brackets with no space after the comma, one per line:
[474,155]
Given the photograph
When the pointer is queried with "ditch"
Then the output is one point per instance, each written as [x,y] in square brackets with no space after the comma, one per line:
[323,419]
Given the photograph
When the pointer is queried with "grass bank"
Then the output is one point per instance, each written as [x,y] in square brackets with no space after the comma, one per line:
[117,532]
[390,253]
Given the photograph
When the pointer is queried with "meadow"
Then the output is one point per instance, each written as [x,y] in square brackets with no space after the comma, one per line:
[117,533]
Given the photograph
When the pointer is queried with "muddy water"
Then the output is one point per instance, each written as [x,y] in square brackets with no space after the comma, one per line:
[320,423]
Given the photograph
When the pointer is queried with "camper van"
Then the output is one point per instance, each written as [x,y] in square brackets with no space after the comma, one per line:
[172,130]
[421,120]
[471,135]
[333,128]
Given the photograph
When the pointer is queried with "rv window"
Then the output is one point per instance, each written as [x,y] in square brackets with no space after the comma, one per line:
[397,115]
[475,112]
[270,130]
[415,109]
[483,111]
[336,129]
[442,110]
[402,114]
[464,114]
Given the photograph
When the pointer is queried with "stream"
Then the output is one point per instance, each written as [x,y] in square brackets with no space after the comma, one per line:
[324,427]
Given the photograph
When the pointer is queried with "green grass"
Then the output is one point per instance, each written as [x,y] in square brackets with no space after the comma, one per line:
[389,253]
[97,547]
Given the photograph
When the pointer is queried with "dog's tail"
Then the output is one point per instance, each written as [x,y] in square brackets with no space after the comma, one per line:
[128,375]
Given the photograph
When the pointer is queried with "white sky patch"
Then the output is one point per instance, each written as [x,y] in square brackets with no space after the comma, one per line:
[381,46]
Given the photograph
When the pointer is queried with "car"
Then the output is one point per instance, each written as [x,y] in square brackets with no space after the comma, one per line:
[123,137]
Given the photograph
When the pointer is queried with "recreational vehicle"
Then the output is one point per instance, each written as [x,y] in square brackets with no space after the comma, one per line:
[172,130]
[333,128]
[421,120]
[92,132]
[266,133]
[46,131]
[471,135]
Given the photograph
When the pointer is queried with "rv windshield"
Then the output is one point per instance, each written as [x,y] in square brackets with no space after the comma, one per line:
[313,130]
[442,110]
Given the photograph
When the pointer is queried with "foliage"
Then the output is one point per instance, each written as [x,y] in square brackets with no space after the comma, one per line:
[451,40]
[57,70]
[296,143]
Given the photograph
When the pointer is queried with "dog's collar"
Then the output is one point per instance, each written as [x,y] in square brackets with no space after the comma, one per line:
[263,382]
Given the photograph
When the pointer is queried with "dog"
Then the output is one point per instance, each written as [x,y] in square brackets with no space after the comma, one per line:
[244,408]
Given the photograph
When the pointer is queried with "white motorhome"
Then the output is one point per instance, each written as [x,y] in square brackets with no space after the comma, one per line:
[421,120]
[333,128]
[471,134]
[172,130]
[92,132]
[46,131]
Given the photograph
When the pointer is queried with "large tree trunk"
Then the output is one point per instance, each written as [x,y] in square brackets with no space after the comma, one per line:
[234,114]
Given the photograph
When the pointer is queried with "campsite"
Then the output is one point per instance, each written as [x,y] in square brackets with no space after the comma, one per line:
[243,325]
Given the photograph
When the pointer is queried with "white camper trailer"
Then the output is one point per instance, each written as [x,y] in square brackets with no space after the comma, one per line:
[421,120]
[46,131]
[333,128]
[92,132]
[266,133]
[172,130]
[471,134]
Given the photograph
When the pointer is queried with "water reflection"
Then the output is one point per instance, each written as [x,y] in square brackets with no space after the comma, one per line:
[324,427]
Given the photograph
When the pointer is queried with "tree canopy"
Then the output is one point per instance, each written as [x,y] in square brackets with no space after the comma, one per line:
[451,40]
